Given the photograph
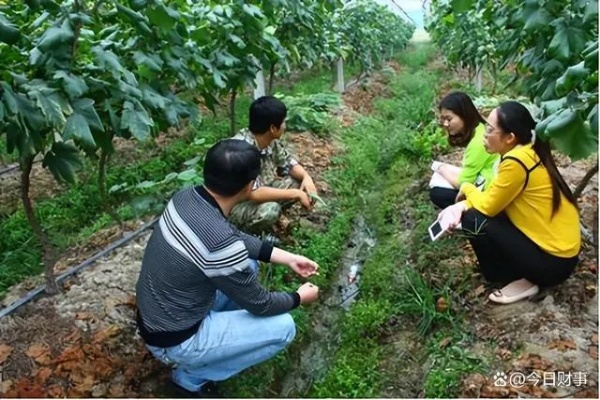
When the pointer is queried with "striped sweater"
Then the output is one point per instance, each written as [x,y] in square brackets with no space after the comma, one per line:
[193,252]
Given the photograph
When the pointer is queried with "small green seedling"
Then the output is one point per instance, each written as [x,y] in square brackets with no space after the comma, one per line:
[316,197]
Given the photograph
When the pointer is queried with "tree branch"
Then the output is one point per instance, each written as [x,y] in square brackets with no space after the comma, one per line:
[585,180]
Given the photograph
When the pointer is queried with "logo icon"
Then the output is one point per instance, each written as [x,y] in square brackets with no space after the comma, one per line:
[500,379]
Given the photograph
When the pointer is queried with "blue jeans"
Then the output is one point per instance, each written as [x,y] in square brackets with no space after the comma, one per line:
[228,341]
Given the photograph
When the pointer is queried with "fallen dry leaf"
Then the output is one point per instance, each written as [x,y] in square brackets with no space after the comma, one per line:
[445,342]
[593,352]
[27,389]
[532,361]
[441,304]
[504,354]
[84,316]
[55,391]
[5,386]
[39,352]
[5,351]
[42,375]
[106,333]
[116,390]
[562,345]
[72,337]
[595,338]
[480,290]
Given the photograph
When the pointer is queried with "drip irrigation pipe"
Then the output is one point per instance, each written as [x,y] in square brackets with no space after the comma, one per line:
[8,169]
[72,271]
[12,167]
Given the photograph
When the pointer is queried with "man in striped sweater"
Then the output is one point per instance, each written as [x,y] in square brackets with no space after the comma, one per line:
[201,308]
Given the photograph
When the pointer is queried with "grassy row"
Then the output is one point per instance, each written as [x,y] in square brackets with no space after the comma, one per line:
[407,273]
[73,215]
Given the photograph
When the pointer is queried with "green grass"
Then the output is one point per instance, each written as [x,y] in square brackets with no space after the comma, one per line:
[406,273]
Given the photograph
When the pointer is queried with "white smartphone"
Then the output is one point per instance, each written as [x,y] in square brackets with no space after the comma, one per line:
[436,230]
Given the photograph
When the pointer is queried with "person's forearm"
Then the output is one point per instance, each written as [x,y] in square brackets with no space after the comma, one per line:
[299,173]
[279,256]
[449,176]
[265,194]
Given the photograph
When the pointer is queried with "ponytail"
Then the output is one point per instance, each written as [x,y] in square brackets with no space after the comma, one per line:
[514,117]
[559,185]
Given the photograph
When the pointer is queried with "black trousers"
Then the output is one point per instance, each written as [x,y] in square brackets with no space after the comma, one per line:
[442,197]
[506,254]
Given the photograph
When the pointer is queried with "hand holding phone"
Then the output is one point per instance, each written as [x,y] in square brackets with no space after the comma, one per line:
[436,230]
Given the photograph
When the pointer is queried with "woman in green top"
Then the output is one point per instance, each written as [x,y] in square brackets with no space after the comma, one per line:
[465,127]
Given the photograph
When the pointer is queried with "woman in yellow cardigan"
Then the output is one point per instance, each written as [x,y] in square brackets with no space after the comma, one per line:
[524,228]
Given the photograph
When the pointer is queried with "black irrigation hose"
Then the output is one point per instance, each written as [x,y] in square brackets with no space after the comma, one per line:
[8,169]
[14,166]
[72,271]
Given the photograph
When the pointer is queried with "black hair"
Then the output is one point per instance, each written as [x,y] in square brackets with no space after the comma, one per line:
[513,117]
[230,165]
[264,112]
[461,104]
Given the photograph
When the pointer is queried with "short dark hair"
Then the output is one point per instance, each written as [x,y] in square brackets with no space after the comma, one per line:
[461,104]
[230,165]
[264,112]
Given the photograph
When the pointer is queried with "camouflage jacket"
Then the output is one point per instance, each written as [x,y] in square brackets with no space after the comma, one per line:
[275,156]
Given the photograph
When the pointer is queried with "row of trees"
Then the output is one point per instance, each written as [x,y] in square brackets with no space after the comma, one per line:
[76,74]
[552,46]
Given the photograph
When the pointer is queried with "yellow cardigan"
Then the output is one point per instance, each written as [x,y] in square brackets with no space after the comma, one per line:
[529,208]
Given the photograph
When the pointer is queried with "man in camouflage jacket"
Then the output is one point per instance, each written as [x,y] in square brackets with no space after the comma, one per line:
[282,179]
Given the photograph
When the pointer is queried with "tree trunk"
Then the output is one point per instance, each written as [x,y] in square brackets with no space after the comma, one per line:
[49,254]
[271,78]
[232,110]
[494,78]
[102,164]
[585,180]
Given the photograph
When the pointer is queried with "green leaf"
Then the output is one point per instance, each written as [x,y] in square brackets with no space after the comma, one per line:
[163,17]
[62,160]
[51,109]
[187,175]
[145,185]
[571,135]
[86,108]
[136,121]
[552,106]
[130,90]
[252,10]
[108,60]
[460,6]
[9,98]
[593,120]
[153,62]
[191,162]
[9,32]
[35,56]
[535,16]
[54,37]
[571,78]
[567,42]
[591,12]
[74,86]
[153,98]
[78,128]
[237,40]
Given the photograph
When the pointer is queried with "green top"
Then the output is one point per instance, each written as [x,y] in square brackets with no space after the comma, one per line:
[477,161]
